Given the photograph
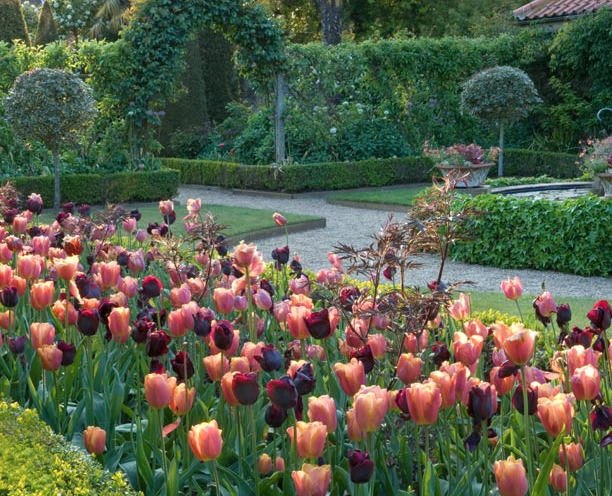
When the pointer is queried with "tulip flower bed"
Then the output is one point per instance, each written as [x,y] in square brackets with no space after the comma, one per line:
[207,371]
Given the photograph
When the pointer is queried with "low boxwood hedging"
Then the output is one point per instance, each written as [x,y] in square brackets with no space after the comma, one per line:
[526,163]
[567,236]
[36,462]
[306,177]
[99,189]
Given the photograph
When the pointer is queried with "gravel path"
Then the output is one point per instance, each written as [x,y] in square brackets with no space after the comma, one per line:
[354,226]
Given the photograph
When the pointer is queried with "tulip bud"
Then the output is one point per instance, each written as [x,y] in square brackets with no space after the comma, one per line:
[245,387]
[361,466]
[312,480]
[310,438]
[408,368]
[159,390]
[279,220]
[41,333]
[323,409]
[205,440]
[94,439]
[511,477]
[50,357]
[558,478]
[282,392]
[574,456]
[182,399]
[512,288]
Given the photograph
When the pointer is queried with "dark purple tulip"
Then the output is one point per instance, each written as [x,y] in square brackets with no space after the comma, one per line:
[123,258]
[579,336]
[68,208]
[105,307]
[202,322]
[599,344]
[606,440]
[16,345]
[245,388]
[348,296]
[281,255]
[282,392]
[182,365]
[34,204]
[389,272]
[156,367]
[266,285]
[471,442]
[135,214]
[318,324]
[402,402]
[275,416]
[151,287]
[221,245]
[564,314]
[270,358]
[532,400]
[361,466]
[304,379]
[601,418]
[170,218]
[296,267]
[9,215]
[507,369]
[480,403]
[68,352]
[84,210]
[34,231]
[141,329]
[9,296]
[157,343]
[223,334]
[440,353]
[365,356]
[88,322]
[226,267]
[600,315]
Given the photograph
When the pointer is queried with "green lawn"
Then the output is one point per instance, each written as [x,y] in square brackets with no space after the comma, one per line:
[239,220]
[403,196]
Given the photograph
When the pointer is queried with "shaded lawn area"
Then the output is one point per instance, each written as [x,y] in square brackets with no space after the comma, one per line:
[403,196]
[239,220]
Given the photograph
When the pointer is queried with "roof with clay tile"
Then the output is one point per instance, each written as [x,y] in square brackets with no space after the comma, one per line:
[542,10]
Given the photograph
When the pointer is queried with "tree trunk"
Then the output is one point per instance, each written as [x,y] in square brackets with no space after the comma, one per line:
[279,124]
[500,160]
[331,20]
[56,193]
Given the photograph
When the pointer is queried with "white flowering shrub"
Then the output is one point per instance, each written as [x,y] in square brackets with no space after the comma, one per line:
[75,16]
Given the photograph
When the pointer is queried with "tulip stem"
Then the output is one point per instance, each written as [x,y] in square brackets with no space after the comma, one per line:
[160,416]
[254,444]
[216,476]
[567,471]
[250,323]
[519,311]
[90,403]
[527,429]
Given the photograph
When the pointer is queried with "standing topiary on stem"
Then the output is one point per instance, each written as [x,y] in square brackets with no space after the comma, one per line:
[52,106]
[499,95]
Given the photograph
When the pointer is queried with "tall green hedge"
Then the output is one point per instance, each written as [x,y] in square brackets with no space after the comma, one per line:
[99,189]
[307,177]
[533,163]
[12,22]
[566,236]
[46,32]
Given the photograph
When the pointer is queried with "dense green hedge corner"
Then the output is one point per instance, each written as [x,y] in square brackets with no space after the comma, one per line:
[36,462]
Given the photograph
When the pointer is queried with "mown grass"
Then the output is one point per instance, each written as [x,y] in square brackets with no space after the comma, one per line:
[403,196]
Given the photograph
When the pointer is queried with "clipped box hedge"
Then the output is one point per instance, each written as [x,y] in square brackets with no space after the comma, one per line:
[36,462]
[96,189]
[566,236]
[533,163]
[306,177]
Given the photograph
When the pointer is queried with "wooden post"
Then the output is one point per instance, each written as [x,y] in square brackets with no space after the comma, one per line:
[279,123]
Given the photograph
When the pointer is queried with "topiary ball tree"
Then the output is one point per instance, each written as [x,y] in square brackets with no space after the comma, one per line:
[51,106]
[499,95]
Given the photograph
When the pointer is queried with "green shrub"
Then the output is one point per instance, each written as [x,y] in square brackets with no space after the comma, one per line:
[99,189]
[566,236]
[12,22]
[47,29]
[307,177]
[36,462]
[536,163]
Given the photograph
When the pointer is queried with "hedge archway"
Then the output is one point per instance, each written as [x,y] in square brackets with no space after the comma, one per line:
[159,31]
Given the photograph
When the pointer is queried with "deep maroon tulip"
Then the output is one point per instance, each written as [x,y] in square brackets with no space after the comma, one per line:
[296,267]
[348,296]
[471,442]
[141,329]
[275,416]
[170,218]
[182,364]
[365,356]
[267,286]
[606,440]
[245,388]
[68,207]
[157,343]
[270,358]
[532,400]
[105,307]
[600,315]
[16,345]
[223,334]
[282,392]
[480,403]
[281,255]
[599,344]
[135,214]
[34,231]
[191,271]
[361,466]
[123,258]
[226,267]
[84,210]
[318,324]
[402,402]
[87,288]
[88,322]
[9,296]
[221,245]
[507,369]
[440,353]
[151,287]
[389,272]
[34,204]
[156,367]
[68,352]
[9,215]
[202,322]
[564,314]
[304,379]
[151,314]
[579,336]
[601,418]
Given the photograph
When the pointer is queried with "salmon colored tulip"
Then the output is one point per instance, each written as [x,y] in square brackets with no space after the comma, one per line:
[279,219]
[59,310]
[577,356]
[351,376]
[296,321]
[511,477]
[20,283]
[476,327]
[240,364]
[159,390]
[94,439]
[323,409]
[227,389]
[512,288]
[460,309]
[6,273]
[370,404]
[558,478]
[119,324]
[30,266]
[41,334]
[467,350]
[20,224]
[310,438]
[353,431]
[312,480]
[408,368]
[575,459]
[446,385]
[224,300]
[503,385]
[205,440]
[585,383]
[66,267]
[182,399]
[108,275]
[244,254]
[556,413]
[41,245]
[176,324]
[378,345]
[264,464]
[50,357]
[501,331]
[41,294]
[180,296]
[128,285]
[424,402]
[520,347]
[7,320]
[546,304]
[216,366]
[412,344]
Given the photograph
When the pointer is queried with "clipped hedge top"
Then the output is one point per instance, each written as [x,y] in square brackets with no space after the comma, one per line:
[36,462]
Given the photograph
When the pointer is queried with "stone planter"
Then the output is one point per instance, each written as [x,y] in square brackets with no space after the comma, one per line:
[606,182]
[467,177]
